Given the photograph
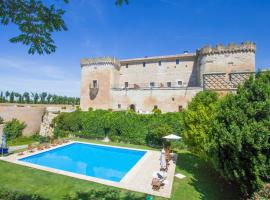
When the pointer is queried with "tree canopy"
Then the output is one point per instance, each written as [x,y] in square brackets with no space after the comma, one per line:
[36,22]
[234,132]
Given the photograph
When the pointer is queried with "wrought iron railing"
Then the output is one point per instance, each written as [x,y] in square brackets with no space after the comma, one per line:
[149,86]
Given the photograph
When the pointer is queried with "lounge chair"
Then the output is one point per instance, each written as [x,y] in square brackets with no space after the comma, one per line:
[159,178]
[20,153]
[30,148]
[40,148]
[156,184]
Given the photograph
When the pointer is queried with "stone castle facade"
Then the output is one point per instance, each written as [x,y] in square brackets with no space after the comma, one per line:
[164,82]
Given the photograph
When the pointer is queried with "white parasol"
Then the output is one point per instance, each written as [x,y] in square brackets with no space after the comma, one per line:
[172,137]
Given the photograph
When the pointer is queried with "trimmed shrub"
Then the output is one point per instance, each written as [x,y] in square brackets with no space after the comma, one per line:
[156,132]
[13,129]
[6,194]
[120,126]
[104,194]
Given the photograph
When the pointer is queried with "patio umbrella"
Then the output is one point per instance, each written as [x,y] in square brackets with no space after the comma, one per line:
[172,137]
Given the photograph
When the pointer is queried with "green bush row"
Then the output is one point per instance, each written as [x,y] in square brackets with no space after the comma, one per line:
[6,194]
[120,126]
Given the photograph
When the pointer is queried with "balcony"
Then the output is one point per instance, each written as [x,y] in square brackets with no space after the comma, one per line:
[147,86]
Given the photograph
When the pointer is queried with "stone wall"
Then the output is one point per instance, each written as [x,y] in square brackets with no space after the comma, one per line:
[32,116]
[37,117]
[167,100]
[46,128]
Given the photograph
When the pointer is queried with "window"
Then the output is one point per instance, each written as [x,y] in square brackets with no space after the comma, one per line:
[126,84]
[119,106]
[172,98]
[169,84]
[180,108]
[152,84]
[155,107]
[126,65]
[177,61]
[159,63]
[179,83]
[143,64]
[95,85]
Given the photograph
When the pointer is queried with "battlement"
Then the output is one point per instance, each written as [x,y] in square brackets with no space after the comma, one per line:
[100,61]
[230,48]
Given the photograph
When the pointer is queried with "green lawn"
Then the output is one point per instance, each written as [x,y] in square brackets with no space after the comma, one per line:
[201,181]
[21,141]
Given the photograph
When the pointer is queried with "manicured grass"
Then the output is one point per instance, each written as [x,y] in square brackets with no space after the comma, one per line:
[201,181]
[21,141]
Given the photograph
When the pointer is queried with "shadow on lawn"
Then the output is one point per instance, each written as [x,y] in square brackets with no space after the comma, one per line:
[205,179]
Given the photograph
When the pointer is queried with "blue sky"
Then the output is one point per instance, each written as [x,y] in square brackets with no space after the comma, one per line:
[144,27]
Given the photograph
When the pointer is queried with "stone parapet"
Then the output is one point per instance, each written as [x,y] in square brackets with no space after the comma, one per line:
[230,48]
[100,61]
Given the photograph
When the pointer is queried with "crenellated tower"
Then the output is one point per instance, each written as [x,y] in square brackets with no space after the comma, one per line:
[97,77]
[225,67]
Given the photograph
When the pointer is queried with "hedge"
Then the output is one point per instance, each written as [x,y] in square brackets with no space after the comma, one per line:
[121,126]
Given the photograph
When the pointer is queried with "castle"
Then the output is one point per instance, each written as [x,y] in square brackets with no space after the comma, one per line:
[164,82]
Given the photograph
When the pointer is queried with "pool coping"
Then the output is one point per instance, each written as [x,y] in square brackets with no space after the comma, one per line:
[127,182]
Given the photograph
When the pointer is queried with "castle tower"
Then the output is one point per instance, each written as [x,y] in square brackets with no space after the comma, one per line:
[225,67]
[98,75]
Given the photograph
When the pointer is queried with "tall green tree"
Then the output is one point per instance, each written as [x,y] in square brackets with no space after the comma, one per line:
[11,97]
[7,94]
[197,119]
[240,139]
[26,97]
[1,97]
[42,97]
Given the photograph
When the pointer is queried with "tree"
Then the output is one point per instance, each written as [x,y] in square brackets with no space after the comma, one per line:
[13,129]
[120,2]
[1,97]
[26,97]
[35,97]
[11,97]
[36,22]
[43,96]
[7,94]
[197,119]
[239,141]
[156,132]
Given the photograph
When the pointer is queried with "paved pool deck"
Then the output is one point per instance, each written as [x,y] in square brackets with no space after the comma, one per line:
[138,179]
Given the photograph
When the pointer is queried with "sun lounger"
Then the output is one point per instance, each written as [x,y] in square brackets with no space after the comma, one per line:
[30,148]
[21,153]
[156,184]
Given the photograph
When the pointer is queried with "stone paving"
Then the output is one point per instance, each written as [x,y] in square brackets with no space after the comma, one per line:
[138,179]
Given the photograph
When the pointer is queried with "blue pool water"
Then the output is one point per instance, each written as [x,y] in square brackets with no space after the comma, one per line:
[103,162]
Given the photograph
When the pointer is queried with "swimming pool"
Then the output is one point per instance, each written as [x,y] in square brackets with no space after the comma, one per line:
[104,162]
